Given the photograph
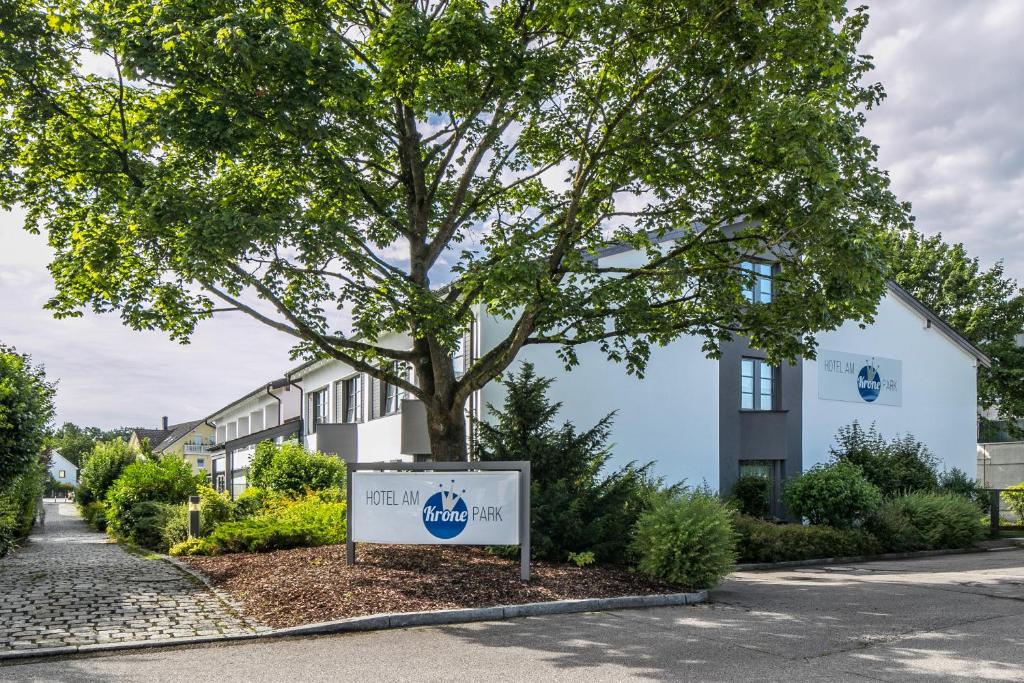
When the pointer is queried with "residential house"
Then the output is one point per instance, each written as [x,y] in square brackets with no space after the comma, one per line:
[62,470]
[191,440]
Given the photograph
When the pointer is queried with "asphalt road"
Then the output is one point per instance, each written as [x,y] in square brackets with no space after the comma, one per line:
[956,617]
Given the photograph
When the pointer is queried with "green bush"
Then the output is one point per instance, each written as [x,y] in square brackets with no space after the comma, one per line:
[103,465]
[927,521]
[214,509]
[576,506]
[686,538]
[1014,497]
[761,541]
[167,480]
[18,504]
[895,467]
[150,520]
[292,470]
[26,408]
[306,522]
[836,494]
[958,482]
[753,496]
[95,515]
[254,501]
[194,546]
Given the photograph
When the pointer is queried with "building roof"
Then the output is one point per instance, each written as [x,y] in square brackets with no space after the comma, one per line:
[155,436]
[261,389]
[175,433]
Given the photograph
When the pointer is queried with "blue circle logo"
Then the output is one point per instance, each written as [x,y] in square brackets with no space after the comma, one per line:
[445,514]
[869,383]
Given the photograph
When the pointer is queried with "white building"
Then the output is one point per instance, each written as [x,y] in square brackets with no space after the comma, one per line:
[62,470]
[700,420]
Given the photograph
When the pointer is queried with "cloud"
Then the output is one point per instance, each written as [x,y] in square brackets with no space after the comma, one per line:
[949,132]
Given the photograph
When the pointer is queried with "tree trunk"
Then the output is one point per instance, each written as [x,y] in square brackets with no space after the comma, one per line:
[448,435]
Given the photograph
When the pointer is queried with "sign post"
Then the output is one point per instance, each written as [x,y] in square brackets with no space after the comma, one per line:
[440,503]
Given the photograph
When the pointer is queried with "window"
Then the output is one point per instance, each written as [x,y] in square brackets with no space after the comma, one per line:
[757,385]
[317,409]
[760,291]
[392,399]
[459,356]
[352,399]
[200,463]
[61,474]
[385,398]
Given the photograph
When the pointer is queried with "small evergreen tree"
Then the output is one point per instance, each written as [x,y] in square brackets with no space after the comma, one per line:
[574,506]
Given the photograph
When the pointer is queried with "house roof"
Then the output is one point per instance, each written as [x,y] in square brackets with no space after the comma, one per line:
[155,436]
[175,433]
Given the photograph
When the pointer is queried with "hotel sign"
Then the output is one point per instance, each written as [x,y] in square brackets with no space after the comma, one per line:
[859,378]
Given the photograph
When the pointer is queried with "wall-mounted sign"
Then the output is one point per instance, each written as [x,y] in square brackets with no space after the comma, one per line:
[470,508]
[859,378]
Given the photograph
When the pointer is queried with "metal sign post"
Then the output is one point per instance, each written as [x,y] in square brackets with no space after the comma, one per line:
[396,508]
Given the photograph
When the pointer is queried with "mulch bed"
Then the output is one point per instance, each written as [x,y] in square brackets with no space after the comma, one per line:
[308,585]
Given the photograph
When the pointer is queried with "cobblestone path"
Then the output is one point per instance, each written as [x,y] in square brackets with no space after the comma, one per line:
[72,586]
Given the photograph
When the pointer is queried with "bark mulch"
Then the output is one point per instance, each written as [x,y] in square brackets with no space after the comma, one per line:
[309,585]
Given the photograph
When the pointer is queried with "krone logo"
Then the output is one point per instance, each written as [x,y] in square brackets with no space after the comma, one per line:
[869,383]
[445,514]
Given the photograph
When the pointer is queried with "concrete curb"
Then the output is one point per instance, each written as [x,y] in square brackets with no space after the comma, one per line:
[378,622]
[866,558]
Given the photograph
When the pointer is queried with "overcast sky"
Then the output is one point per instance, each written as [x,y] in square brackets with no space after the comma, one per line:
[950,133]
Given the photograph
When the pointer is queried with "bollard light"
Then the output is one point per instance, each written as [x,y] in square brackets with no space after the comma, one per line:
[193,516]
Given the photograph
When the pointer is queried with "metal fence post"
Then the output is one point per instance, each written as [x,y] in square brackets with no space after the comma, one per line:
[350,546]
[193,517]
[524,522]
[993,511]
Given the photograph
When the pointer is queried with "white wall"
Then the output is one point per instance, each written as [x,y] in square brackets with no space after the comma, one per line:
[939,388]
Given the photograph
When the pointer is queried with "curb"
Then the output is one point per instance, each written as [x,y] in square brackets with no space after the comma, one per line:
[379,622]
[754,566]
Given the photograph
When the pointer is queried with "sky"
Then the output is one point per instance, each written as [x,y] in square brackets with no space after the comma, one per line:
[949,133]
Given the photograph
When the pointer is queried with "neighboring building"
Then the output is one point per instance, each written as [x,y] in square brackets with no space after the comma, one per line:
[190,440]
[271,412]
[62,469]
[701,420]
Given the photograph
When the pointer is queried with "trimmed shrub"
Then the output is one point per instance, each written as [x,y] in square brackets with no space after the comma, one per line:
[927,521]
[686,538]
[576,504]
[254,501]
[214,509]
[168,480]
[103,465]
[958,482]
[753,496]
[18,505]
[307,522]
[761,541]
[836,494]
[895,467]
[150,520]
[1014,497]
[292,470]
[95,515]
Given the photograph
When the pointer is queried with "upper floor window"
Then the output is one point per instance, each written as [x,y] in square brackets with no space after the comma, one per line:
[61,474]
[760,290]
[352,399]
[757,385]
[317,408]
[459,356]
[386,398]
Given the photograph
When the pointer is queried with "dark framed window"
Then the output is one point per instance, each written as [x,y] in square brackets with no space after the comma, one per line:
[352,399]
[386,398]
[459,356]
[773,471]
[757,385]
[61,474]
[760,289]
[317,409]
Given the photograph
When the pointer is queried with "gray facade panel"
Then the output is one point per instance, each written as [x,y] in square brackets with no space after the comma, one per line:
[340,439]
[415,438]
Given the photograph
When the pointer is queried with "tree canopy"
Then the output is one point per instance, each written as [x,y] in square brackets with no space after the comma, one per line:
[324,166]
[75,443]
[984,305]
[26,409]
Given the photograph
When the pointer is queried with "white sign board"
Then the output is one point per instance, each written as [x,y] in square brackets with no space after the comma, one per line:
[859,378]
[467,508]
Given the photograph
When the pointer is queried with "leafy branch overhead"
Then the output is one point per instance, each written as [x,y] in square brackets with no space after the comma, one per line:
[310,161]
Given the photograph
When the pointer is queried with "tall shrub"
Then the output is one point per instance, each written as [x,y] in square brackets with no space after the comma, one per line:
[291,469]
[927,521]
[959,483]
[26,409]
[18,505]
[167,480]
[899,466]
[686,538]
[753,496]
[575,505]
[836,494]
[103,465]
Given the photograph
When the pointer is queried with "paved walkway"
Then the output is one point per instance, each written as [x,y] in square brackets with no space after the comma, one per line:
[948,618]
[72,586]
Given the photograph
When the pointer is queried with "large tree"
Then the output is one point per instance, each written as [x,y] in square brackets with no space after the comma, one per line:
[74,442]
[984,305]
[26,409]
[313,161]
